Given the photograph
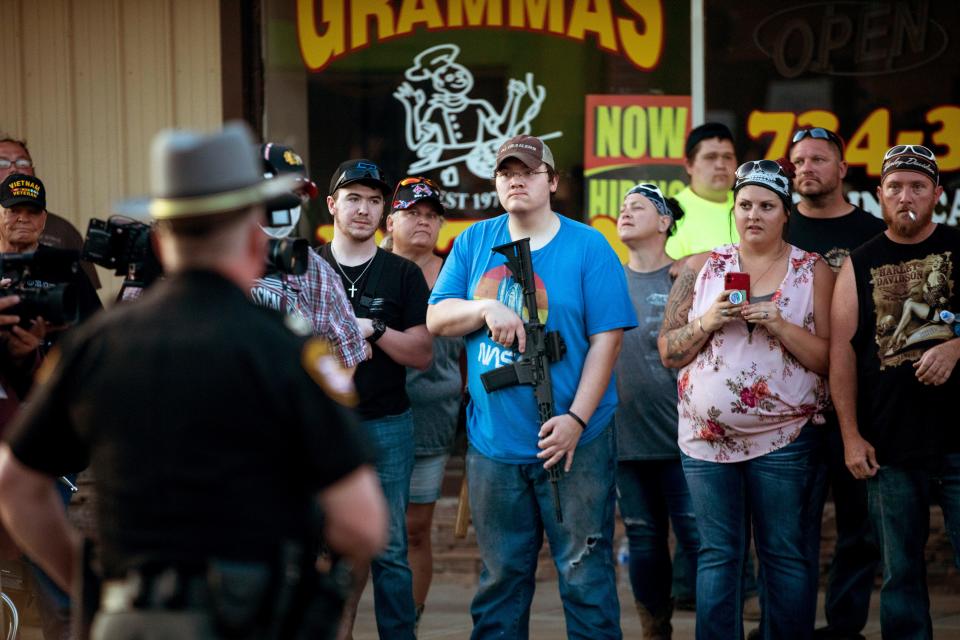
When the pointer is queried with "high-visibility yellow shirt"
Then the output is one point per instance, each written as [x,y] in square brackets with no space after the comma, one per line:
[705,225]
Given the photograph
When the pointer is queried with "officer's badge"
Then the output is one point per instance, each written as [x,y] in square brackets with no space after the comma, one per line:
[325,369]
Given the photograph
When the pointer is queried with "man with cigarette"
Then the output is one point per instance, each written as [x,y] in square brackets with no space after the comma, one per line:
[894,346]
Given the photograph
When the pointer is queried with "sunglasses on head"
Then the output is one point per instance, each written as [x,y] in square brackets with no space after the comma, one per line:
[360,171]
[818,133]
[768,166]
[406,182]
[915,149]
[648,187]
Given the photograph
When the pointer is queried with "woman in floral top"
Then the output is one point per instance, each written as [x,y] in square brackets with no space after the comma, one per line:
[750,385]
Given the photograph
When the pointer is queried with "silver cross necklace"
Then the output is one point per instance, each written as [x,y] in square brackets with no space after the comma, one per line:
[353,282]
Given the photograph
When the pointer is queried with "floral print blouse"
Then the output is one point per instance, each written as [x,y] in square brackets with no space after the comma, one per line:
[745,395]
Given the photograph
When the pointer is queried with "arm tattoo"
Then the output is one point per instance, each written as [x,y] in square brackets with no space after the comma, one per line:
[681,335]
[679,302]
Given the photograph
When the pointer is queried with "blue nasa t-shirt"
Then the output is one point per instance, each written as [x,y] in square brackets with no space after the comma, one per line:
[581,291]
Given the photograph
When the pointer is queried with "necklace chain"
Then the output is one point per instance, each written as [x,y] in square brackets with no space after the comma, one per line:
[769,266]
[353,282]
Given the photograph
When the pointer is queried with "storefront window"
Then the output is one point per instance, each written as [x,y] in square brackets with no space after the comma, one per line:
[433,89]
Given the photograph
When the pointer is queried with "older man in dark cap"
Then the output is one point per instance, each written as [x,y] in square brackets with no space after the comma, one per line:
[206,425]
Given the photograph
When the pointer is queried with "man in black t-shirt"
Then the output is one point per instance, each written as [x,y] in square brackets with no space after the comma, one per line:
[389,296]
[824,222]
[893,352]
[205,422]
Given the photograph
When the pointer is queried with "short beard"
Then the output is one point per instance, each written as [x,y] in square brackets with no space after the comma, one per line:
[818,193]
[905,227]
[353,235]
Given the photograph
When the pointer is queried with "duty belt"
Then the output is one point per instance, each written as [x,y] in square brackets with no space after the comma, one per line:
[169,588]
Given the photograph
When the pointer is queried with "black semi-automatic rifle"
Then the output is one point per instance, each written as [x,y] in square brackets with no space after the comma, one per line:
[543,347]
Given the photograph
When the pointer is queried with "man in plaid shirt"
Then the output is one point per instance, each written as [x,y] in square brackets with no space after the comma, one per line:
[317,297]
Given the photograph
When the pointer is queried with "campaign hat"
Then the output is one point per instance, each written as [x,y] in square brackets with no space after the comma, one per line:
[195,174]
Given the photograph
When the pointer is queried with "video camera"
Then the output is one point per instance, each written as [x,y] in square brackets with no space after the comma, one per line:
[123,244]
[56,301]
[287,255]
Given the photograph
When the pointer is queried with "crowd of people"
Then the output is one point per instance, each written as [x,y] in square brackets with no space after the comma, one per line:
[765,342]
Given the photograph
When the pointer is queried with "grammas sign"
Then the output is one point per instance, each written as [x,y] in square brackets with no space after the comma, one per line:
[434,87]
[330,29]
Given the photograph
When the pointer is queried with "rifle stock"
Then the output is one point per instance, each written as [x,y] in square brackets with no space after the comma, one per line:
[532,367]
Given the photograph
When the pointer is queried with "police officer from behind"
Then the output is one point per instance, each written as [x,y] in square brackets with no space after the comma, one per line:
[204,422]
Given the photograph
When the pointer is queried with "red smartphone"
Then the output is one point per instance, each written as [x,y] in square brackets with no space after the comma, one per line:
[740,283]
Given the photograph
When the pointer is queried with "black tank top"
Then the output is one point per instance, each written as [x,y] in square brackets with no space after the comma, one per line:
[906,294]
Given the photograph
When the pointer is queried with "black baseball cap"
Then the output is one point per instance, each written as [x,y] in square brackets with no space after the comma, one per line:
[281,160]
[362,170]
[19,188]
[706,131]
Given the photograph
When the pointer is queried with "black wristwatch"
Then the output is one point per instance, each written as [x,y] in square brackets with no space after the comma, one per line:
[379,328]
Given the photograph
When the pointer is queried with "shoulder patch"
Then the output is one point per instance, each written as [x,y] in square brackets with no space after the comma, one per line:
[47,367]
[319,360]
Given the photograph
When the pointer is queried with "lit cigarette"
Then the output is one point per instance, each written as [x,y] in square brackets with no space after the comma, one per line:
[912,215]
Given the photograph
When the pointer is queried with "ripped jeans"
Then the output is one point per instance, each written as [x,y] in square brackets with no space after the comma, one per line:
[512,507]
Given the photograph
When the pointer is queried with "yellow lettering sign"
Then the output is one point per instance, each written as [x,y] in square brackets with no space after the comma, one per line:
[643,49]
[473,11]
[598,21]
[640,132]
[317,49]
[608,132]
[323,25]
[360,12]
[538,15]
[412,13]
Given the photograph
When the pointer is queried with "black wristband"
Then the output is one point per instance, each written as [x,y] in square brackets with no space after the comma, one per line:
[579,420]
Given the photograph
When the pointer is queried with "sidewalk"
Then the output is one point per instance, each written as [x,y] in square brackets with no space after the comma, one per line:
[447,615]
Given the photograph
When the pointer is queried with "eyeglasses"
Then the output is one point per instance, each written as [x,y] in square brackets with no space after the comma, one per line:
[510,175]
[819,133]
[768,166]
[19,163]
[359,171]
[915,149]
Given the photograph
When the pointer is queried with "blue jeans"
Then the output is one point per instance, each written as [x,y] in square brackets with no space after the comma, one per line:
[774,492]
[856,556]
[512,506]
[653,493]
[392,580]
[899,503]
